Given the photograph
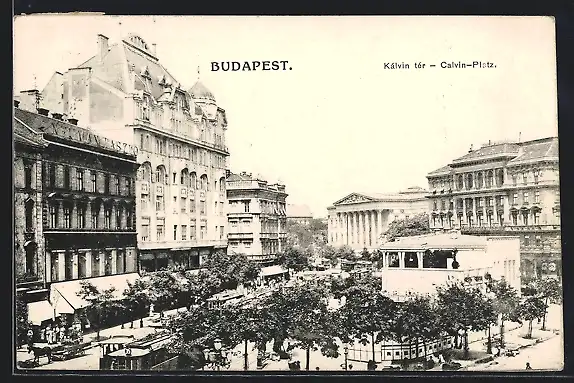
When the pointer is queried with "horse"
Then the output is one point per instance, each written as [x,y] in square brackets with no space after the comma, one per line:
[41,351]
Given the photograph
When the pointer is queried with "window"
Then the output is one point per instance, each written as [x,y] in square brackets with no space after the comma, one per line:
[536,197]
[159,230]
[538,240]
[51,175]
[175,232]
[221,232]
[143,202]
[117,182]
[28,176]
[515,199]
[81,217]
[202,232]
[537,218]
[159,203]
[175,204]
[246,206]
[536,175]
[129,218]
[192,205]
[107,183]
[525,218]
[525,197]
[184,232]
[526,240]
[442,204]
[515,219]
[66,177]
[480,202]
[128,186]
[174,178]
[215,207]
[524,178]
[514,179]
[107,218]
[79,179]
[67,222]
[29,206]
[53,216]
[94,217]
[145,232]
[202,205]
[118,219]
[93,177]
[192,233]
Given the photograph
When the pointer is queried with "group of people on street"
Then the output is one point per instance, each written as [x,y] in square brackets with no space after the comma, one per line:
[55,333]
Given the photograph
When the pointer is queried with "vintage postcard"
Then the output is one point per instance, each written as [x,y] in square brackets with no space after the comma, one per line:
[276,194]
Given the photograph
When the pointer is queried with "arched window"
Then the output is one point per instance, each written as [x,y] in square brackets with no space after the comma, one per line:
[29,206]
[460,182]
[222,184]
[499,177]
[184,179]
[193,180]
[479,180]
[489,178]
[30,249]
[204,183]
[144,173]
[469,181]
[161,175]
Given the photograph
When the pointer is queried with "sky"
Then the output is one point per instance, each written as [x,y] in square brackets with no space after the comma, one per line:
[338,122]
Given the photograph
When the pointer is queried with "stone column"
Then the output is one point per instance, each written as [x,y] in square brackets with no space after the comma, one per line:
[381,226]
[114,261]
[102,263]
[60,222]
[385,260]
[101,219]
[464,219]
[372,229]
[113,223]
[353,228]
[88,263]
[88,220]
[61,266]
[123,216]
[48,267]
[506,201]
[402,259]
[420,259]
[347,227]
[75,265]
[74,217]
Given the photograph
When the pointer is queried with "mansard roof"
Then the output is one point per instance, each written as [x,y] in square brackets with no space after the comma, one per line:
[26,136]
[200,91]
[445,170]
[537,150]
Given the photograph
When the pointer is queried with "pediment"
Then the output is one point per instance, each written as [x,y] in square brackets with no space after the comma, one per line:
[354,198]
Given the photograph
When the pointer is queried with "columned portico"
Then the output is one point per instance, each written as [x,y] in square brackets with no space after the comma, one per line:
[359,221]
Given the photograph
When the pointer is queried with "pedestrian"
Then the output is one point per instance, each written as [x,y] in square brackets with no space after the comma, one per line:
[43,334]
[30,338]
[528,366]
[56,336]
[62,333]
[49,334]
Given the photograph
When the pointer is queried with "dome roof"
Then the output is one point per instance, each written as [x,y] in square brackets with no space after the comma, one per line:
[199,91]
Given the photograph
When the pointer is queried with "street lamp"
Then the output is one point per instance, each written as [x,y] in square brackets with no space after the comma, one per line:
[346,352]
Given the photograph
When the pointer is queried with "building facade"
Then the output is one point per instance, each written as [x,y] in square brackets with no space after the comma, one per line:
[124,93]
[256,217]
[360,219]
[509,188]
[28,229]
[300,214]
[420,264]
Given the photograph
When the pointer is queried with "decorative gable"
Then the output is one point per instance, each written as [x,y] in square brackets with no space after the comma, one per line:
[354,198]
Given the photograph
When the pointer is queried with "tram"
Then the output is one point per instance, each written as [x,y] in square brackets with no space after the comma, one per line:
[148,353]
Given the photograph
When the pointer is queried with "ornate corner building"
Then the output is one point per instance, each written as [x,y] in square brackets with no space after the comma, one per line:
[257,217]
[74,203]
[360,219]
[124,93]
[509,188]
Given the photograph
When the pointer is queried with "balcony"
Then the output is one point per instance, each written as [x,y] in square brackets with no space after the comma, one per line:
[183,192]
[231,236]
[269,235]
[261,258]
[181,245]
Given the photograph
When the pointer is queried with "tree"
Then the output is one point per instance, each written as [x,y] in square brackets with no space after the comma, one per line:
[406,227]
[330,253]
[201,286]
[22,324]
[306,320]
[293,259]
[137,300]
[367,315]
[228,268]
[347,253]
[249,273]
[101,304]
[505,303]
[164,290]
[551,291]
[416,319]
[460,307]
[530,309]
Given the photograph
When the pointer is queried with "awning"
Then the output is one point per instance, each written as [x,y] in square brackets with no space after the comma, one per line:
[64,295]
[272,270]
[39,312]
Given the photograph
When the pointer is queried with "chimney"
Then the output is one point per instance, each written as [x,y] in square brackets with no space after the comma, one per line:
[16,103]
[43,111]
[102,46]
[470,150]
[153,48]
[57,116]
[73,121]
[29,100]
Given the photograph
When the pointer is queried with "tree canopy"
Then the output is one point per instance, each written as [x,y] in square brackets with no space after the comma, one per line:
[294,258]
[406,227]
